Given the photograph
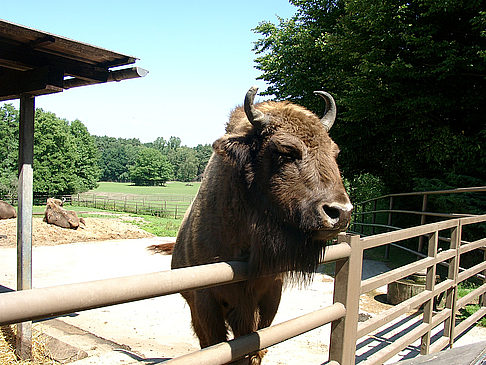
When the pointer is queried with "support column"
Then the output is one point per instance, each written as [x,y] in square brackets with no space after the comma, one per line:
[24,217]
[347,286]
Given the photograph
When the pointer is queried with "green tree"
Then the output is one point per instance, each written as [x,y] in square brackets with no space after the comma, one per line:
[87,157]
[54,156]
[117,155]
[408,78]
[185,163]
[203,153]
[150,168]
[9,141]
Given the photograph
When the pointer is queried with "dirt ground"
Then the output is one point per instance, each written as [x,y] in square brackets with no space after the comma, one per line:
[96,229]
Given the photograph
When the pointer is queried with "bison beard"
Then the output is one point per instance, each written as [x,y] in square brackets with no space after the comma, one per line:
[278,246]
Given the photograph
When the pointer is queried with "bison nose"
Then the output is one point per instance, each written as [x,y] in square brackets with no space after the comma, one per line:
[337,215]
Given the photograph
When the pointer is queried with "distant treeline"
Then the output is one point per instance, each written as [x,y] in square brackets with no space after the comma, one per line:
[68,159]
[151,163]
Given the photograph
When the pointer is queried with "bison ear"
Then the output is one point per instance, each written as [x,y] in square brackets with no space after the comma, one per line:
[233,148]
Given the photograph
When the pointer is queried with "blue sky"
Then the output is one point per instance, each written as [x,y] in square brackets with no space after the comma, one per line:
[198,54]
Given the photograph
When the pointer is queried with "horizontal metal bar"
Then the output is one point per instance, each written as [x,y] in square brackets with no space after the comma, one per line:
[395,347]
[469,297]
[404,271]
[52,301]
[404,307]
[336,252]
[388,237]
[475,219]
[472,246]
[471,271]
[477,189]
[431,214]
[225,352]
[468,322]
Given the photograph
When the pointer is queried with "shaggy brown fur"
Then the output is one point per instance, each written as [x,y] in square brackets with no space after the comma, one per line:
[7,211]
[55,214]
[262,200]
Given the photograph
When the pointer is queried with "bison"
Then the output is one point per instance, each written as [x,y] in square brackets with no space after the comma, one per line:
[7,211]
[272,195]
[55,214]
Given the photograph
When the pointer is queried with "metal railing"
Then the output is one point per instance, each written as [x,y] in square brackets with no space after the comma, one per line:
[53,301]
[367,217]
[343,314]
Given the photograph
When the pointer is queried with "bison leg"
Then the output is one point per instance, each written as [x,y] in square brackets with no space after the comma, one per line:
[244,320]
[268,304]
[207,317]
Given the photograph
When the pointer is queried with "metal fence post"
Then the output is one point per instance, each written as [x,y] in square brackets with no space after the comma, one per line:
[429,285]
[347,285]
[482,298]
[389,222]
[373,219]
[451,294]
[422,222]
[24,218]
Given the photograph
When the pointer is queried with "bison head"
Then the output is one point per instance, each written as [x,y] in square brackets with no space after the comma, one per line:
[284,157]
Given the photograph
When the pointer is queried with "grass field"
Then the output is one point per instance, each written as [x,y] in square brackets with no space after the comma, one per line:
[171,188]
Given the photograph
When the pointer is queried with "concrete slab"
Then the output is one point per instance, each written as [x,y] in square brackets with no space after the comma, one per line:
[474,354]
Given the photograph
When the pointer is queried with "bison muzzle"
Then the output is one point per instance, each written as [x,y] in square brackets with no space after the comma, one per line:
[272,196]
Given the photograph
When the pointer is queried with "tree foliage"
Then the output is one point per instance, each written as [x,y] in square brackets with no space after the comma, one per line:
[65,156]
[151,168]
[409,80]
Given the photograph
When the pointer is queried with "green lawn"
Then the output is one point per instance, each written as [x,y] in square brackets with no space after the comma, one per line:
[171,188]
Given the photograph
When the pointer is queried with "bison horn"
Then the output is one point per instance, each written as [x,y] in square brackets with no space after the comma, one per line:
[255,116]
[330,113]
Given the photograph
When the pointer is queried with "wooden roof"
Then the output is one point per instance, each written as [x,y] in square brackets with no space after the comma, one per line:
[39,63]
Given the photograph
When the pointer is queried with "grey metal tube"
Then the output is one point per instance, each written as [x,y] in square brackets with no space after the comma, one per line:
[57,300]
[228,351]
[336,252]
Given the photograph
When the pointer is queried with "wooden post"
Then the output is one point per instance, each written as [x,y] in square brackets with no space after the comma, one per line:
[373,221]
[482,297]
[24,219]
[451,294]
[422,221]
[429,285]
[347,285]
[387,247]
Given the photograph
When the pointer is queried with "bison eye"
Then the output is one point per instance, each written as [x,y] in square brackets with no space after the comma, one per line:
[289,148]
[290,155]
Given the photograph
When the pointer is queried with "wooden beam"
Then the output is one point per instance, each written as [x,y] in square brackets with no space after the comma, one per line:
[44,80]
[24,217]
[117,75]
[22,57]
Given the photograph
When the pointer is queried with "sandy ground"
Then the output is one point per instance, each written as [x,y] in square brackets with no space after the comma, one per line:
[96,229]
[157,329]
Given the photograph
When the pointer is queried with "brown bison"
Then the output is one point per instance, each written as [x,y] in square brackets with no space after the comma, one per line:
[7,211]
[272,195]
[55,214]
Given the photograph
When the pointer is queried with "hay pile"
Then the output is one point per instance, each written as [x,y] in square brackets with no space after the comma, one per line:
[40,352]
[96,229]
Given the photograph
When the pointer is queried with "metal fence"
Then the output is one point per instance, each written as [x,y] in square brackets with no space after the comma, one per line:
[380,214]
[169,206]
[347,254]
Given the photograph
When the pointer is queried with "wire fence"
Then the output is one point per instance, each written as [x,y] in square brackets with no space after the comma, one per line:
[168,206]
